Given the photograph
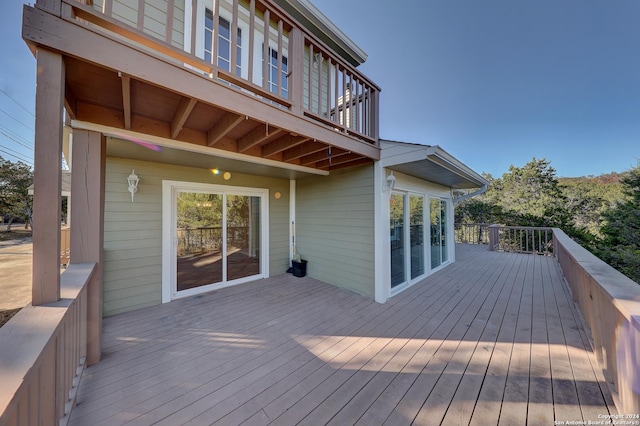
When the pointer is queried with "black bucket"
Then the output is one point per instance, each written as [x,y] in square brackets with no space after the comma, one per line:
[299,268]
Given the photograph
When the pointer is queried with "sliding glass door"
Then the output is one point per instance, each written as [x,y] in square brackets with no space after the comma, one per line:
[406,234]
[416,217]
[438,219]
[396,233]
[217,236]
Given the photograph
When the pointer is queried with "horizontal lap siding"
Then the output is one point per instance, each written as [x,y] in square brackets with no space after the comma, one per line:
[133,231]
[335,228]
[155,18]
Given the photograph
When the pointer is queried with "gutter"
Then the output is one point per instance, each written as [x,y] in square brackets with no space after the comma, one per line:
[480,191]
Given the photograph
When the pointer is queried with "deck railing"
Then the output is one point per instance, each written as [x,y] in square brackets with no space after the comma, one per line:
[65,246]
[516,239]
[610,305]
[471,233]
[609,301]
[274,58]
[42,353]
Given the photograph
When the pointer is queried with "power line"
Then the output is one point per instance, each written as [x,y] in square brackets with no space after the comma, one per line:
[19,104]
[16,120]
[15,138]
[24,160]
[17,152]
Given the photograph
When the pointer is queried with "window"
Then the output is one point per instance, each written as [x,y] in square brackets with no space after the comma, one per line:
[224,43]
[272,82]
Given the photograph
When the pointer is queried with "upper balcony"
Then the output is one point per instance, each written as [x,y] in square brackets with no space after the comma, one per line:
[234,76]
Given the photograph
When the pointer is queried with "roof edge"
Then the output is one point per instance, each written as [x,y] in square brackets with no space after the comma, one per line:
[437,155]
[324,28]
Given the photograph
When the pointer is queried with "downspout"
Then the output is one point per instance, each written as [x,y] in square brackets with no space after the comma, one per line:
[456,200]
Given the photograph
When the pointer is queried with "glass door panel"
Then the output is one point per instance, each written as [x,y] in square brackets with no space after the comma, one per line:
[199,236]
[396,208]
[443,230]
[416,210]
[438,217]
[436,230]
[243,236]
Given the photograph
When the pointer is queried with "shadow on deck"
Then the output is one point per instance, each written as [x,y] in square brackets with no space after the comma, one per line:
[493,338]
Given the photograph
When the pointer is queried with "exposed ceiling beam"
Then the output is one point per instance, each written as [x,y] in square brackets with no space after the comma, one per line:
[126,100]
[222,127]
[362,160]
[285,142]
[342,159]
[302,150]
[258,135]
[70,102]
[322,155]
[181,115]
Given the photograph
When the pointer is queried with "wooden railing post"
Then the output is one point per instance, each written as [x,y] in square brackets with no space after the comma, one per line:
[87,191]
[296,64]
[494,237]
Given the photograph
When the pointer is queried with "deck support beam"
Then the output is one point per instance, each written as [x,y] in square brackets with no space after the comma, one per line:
[47,178]
[87,210]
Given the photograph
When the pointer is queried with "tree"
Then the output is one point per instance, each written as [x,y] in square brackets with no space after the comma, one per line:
[620,245]
[15,201]
[530,195]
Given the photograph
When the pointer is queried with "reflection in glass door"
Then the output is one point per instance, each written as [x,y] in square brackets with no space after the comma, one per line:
[416,217]
[243,236]
[396,209]
[199,236]
[218,236]
[438,215]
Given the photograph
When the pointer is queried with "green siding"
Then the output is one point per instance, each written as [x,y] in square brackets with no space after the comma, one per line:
[133,231]
[335,228]
[155,17]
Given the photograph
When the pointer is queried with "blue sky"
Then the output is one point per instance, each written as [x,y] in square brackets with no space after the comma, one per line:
[493,82]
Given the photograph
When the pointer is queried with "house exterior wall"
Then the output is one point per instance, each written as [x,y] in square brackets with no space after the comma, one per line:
[133,231]
[335,228]
[155,17]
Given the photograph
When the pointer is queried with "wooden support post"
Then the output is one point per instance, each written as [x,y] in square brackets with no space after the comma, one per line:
[87,209]
[47,201]
[494,237]
[296,70]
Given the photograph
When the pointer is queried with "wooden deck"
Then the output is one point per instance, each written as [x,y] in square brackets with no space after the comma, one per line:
[492,339]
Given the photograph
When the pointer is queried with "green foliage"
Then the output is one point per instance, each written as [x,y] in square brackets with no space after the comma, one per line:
[15,179]
[527,196]
[620,244]
[602,213]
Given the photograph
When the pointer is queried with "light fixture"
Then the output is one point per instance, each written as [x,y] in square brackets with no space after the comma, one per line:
[133,181]
[277,195]
[317,57]
[226,176]
[390,182]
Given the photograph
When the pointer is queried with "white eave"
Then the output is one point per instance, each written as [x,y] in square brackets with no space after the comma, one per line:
[430,163]
[315,21]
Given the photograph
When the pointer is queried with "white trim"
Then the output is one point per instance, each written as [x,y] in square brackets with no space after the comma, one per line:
[169,242]
[292,218]
[382,255]
[407,186]
[185,146]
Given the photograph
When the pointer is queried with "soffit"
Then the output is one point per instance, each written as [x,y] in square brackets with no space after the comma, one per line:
[126,149]
[429,163]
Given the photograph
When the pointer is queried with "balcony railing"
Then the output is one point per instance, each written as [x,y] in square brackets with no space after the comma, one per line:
[265,53]
[516,239]
[42,354]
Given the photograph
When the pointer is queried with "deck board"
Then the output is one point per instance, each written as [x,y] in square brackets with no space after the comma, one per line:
[494,338]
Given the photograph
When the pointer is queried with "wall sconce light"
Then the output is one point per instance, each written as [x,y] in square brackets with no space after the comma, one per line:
[390,183]
[133,181]
[316,60]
